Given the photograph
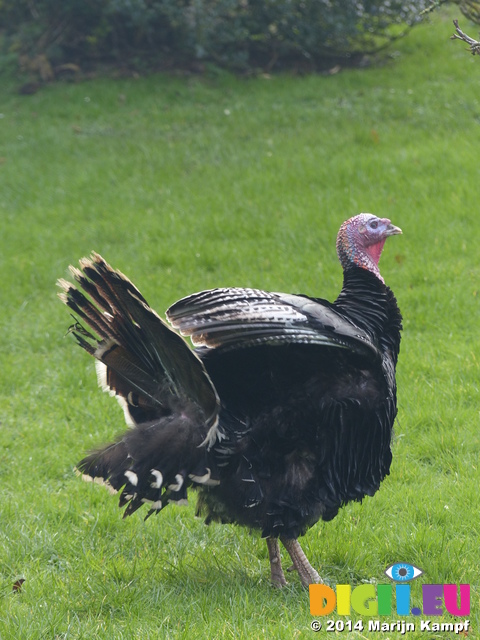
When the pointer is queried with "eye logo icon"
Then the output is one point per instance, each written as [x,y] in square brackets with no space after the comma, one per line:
[402,572]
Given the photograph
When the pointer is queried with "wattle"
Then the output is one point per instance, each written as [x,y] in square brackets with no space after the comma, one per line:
[375,250]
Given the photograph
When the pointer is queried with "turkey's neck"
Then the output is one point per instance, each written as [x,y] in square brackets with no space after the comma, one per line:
[364,299]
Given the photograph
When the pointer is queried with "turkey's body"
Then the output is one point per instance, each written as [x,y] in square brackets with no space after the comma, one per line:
[282,414]
[307,427]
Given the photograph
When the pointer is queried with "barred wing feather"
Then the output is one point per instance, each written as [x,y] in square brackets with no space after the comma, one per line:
[232,318]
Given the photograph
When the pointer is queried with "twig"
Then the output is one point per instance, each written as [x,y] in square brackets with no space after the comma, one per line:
[459,35]
[435,4]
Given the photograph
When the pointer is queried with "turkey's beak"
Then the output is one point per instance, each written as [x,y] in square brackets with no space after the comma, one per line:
[392,230]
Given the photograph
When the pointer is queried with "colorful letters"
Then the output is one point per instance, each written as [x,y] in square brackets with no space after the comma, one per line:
[368,601]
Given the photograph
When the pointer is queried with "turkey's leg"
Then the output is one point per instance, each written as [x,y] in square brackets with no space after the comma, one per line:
[276,571]
[307,573]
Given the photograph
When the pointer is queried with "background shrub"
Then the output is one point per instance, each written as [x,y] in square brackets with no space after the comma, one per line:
[238,34]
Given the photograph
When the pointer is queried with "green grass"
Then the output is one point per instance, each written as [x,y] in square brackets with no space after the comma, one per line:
[186,183]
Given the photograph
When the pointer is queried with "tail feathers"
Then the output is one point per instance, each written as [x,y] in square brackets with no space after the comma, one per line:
[142,361]
[154,463]
[106,466]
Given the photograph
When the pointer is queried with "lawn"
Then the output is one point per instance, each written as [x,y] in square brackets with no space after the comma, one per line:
[192,182]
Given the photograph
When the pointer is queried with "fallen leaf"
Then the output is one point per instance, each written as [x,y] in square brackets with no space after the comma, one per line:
[17,586]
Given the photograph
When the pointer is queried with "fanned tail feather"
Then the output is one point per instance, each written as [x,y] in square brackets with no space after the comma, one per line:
[167,396]
[136,345]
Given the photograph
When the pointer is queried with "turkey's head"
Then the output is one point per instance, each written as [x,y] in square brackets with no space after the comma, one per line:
[360,241]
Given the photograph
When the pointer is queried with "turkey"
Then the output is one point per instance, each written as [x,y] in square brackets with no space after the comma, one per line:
[280,415]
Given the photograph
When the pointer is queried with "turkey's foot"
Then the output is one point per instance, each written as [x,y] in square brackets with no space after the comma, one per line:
[276,572]
[308,575]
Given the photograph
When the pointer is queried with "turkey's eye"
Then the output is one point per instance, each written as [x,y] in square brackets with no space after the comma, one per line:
[402,572]
[373,224]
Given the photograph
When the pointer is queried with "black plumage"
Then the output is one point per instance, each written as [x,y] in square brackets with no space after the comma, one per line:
[281,414]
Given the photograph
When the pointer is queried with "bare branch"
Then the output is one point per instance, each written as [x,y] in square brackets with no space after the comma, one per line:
[435,4]
[460,35]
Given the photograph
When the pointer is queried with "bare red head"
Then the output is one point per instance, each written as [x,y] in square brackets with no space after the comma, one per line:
[360,241]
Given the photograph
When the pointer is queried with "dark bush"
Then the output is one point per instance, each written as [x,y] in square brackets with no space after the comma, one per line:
[238,34]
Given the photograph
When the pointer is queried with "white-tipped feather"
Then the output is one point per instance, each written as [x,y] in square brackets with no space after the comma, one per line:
[206,479]
[131,477]
[101,369]
[97,480]
[126,412]
[178,483]
[183,502]
[213,435]
[158,479]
